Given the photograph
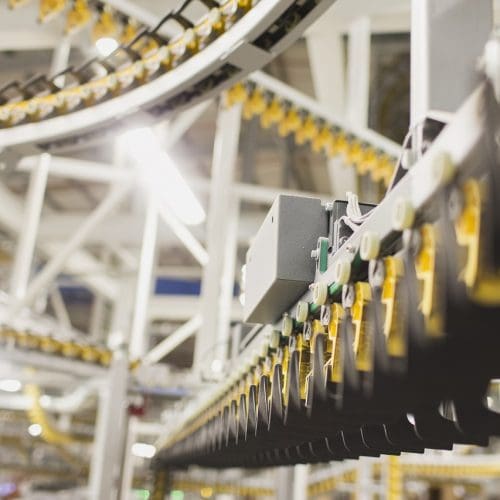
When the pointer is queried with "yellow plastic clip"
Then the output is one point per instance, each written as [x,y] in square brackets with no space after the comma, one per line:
[383,169]
[362,339]
[354,154]
[237,94]
[129,32]
[425,264]
[468,230]
[336,317]
[339,145]
[483,287]
[50,8]
[14,4]
[106,25]
[273,114]
[320,142]
[393,321]
[367,161]
[78,16]
[303,347]
[307,131]
[254,105]
[290,123]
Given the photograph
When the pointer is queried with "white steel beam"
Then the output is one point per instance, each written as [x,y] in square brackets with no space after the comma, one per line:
[82,170]
[91,171]
[328,79]
[442,34]
[227,280]
[177,127]
[225,155]
[11,218]
[358,80]
[174,340]
[31,220]
[106,453]
[326,44]
[144,281]
[28,39]
[58,261]
[182,308]
[60,59]
[127,473]
[57,301]
[300,478]
[183,234]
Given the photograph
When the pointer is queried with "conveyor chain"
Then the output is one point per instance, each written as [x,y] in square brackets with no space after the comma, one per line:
[151,75]
[52,345]
[394,348]
[308,128]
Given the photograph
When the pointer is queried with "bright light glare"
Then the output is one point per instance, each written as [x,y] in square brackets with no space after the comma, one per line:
[161,176]
[106,45]
[143,450]
[35,430]
[216,366]
[10,385]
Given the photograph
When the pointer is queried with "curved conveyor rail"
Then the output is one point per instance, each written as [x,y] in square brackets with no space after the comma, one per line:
[151,76]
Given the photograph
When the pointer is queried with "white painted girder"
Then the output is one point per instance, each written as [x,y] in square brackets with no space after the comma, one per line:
[11,218]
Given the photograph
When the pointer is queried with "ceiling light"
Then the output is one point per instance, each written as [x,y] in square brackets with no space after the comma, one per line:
[10,385]
[106,45]
[160,175]
[143,450]
[35,430]
[216,366]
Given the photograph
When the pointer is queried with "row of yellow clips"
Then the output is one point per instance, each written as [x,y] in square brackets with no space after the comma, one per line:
[310,130]
[49,345]
[155,58]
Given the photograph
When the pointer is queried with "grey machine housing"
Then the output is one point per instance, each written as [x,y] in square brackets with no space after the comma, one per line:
[279,266]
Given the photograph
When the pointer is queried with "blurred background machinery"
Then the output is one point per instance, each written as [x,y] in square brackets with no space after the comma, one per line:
[249,249]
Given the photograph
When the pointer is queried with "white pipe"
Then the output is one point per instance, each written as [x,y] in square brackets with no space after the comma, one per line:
[91,171]
[59,307]
[227,280]
[225,155]
[54,266]
[177,128]
[175,339]
[144,281]
[182,232]
[31,221]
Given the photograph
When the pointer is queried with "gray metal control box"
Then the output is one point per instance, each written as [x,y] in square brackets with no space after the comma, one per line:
[279,267]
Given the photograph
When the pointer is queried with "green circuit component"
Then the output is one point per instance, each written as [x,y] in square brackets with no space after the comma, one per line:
[323,245]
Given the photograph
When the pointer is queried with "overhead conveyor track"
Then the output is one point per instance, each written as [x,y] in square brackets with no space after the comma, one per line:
[370,360]
[152,76]
[293,113]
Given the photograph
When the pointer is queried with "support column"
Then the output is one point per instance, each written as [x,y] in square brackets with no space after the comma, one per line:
[325,48]
[106,453]
[31,220]
[128,460]
[447,39]
[227,280]
[300,479]
[57,263]
[365,487]
[208,339]
[144,281]
[358,88]
[60,59]
[284,483]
